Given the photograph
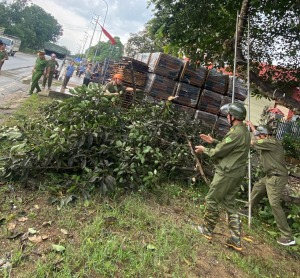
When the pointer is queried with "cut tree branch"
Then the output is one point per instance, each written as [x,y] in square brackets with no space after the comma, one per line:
[197,161]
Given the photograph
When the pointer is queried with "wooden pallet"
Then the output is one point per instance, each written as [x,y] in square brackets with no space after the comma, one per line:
[210,102]
[127,99]
[187,95]
[165,65]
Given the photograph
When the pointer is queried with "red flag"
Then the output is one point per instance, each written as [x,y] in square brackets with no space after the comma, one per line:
[112,40]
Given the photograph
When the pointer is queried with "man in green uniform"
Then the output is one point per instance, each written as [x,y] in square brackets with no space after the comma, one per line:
[115,86]
[232,153]
[272,185]
[41,67]
[3,54]
[52,63]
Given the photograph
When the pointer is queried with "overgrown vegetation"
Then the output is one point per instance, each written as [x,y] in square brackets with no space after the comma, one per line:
[291,146]
[90,141]
[144,233]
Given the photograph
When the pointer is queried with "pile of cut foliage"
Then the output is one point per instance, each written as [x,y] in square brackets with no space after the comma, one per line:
[89,140]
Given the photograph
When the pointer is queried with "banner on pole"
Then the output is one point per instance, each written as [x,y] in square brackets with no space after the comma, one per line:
[112,40]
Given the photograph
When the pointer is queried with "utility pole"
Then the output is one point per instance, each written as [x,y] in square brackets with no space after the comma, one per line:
[96,20]
[84,42]
[101,32]
[78,50]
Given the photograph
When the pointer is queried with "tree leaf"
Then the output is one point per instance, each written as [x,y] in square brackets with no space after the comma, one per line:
[11,226]
[35,239]
[31,231]
[64,231]
[151,247]
[17,148]
[58,248]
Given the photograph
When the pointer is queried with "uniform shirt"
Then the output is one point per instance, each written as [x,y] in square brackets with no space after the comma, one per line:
[70,70]
[52,64]
[40,64]
[113,88]
[271,155]
[3,54]
[232,151]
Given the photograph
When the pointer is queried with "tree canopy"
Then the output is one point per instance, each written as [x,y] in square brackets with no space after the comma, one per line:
[106,50]
[142,42]
[30,23]
[205,31]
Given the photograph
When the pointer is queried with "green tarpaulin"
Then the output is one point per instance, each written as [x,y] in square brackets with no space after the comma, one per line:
[51,47]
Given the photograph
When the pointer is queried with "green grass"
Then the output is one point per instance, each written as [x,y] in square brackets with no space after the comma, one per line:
[142,234]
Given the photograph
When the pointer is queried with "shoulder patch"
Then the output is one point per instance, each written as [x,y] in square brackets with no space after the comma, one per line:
[260,141]
[232,129]
[228,140]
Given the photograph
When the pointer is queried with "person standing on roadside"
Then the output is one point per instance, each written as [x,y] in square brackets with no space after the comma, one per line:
[3,54]
[68,74]
[41,67]
[81,70]
[232,153]
[88,75]
[52,63]
[272,185]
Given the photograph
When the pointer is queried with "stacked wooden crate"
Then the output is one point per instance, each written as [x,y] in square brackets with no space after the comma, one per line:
[217,82]
[159,87]
[193,76]
[207,120]
[210,102]
[199,91]
[145,58]
[165,65]
[124,67]
[187,95]
[188,110]
[240,91]
[222,126]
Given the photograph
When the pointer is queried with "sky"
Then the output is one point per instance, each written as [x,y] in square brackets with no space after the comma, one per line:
[123,17]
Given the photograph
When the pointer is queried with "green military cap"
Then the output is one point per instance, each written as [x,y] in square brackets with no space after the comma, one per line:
[42,52]
[235,109]
[264,129]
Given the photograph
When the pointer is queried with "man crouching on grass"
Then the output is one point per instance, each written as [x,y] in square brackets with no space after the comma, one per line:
[232,153]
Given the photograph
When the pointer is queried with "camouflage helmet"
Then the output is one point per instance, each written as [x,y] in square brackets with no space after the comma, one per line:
[235,109]
[264,129]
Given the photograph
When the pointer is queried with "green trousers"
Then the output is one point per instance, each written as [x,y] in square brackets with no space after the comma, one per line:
[50,77]
[35,81]
[223,190]
[273,188]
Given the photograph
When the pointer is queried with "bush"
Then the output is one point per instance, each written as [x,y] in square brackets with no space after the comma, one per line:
[291,147]
[89,140]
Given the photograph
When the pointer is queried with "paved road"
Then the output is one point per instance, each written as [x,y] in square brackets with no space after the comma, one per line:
[20,60]
[12,73]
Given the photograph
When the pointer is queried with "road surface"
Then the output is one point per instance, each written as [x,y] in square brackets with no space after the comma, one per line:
[12,90]
[13,71]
